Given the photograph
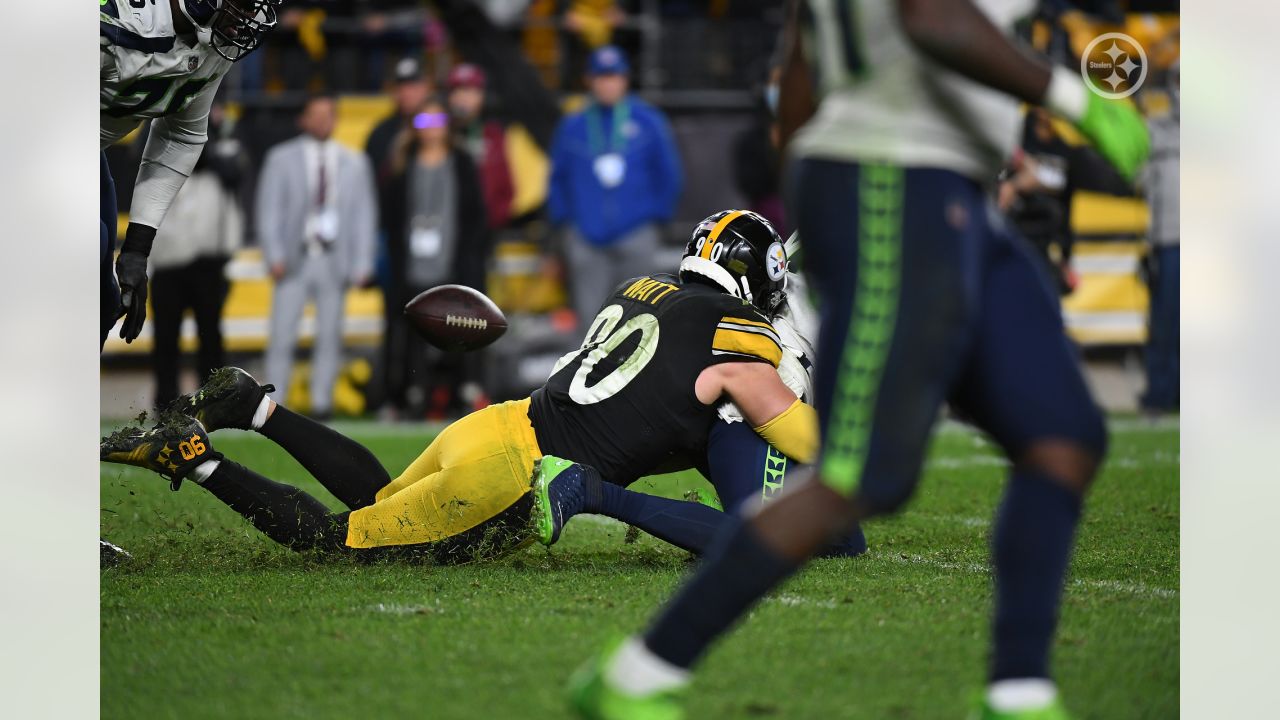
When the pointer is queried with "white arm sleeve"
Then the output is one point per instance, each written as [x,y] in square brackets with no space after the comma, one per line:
[171,153]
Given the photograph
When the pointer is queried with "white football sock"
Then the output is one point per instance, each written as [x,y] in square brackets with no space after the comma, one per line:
[201,472]
[260,415]
[1021,694]
[635,670]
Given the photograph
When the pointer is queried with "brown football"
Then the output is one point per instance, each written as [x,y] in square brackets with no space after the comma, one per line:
[456,318]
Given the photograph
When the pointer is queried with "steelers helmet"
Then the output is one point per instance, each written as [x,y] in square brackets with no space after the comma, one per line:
[739,252]
[233,28]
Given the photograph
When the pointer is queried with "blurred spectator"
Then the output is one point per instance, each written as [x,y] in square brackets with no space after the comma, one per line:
[590,25]
[412,88]
[756,165]
[436,234]
[1161,181]
[316,219]
[615,177]
[203,228]
[483,138]
[1037,194]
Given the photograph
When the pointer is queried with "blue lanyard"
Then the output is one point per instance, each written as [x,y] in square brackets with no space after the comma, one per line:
[595,128]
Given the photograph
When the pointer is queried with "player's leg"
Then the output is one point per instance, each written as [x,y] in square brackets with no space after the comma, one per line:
[563,489]
[1025,387]
[109,289]
[109,296]
[326,355]
[747,472]
[233,399]
[180,448]
[474,504]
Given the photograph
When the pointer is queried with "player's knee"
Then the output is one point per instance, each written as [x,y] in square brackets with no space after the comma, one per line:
[1067,461]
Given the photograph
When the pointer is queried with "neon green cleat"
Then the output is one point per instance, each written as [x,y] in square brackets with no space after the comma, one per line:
[711,500]
[593,698]
[558,495]
[1052,711]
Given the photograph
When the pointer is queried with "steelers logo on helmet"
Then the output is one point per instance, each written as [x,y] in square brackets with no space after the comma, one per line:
[733,250]
[775,262]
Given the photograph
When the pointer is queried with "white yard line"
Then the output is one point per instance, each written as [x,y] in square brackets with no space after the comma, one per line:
[1117,587]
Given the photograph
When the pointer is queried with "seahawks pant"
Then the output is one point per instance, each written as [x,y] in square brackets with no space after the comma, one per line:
[743,468]
[933,300]
[109,291]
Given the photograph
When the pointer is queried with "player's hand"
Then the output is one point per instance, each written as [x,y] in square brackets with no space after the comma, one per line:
[131,273]
[1113,126]
[1117,132]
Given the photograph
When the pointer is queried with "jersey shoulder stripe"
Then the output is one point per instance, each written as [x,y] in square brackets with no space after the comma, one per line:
[752,344]
[132,41]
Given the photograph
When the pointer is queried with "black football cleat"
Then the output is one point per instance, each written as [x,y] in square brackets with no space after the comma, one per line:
[111,554]
[228,400]
[172,448]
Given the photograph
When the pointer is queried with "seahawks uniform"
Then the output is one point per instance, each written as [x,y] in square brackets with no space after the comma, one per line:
[149,73]
[742,466]
[926,295]
[652,338]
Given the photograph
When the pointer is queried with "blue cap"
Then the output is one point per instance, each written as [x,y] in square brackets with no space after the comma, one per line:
[608,60]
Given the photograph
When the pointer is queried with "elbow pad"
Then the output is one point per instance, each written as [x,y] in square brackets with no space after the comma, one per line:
[794,432]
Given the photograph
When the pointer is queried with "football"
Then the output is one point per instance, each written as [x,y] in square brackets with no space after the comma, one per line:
[456,318]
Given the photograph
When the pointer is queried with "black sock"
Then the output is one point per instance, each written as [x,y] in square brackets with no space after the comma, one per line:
[282,512]
[687,525]
[737,571]
[1031,548]
[343,466]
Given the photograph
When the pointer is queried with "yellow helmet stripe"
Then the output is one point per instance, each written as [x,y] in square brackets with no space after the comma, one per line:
[715,232]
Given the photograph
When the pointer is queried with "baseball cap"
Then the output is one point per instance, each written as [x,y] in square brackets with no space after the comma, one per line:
[608,60]
[466,75]
[408,70]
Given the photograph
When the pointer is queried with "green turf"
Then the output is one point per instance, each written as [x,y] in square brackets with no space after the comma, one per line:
[213,620]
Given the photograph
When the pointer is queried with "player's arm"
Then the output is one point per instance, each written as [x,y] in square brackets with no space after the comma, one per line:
[173,147]
[956,35]
[766,403]
[796,101]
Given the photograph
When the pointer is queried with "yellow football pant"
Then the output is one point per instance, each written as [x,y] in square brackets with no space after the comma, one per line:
[466,496]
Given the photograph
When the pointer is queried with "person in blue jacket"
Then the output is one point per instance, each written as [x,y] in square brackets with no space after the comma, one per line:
[615,178]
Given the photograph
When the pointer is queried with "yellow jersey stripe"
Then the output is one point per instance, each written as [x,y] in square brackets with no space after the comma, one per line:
[715,232]
[743,321]
[747,343]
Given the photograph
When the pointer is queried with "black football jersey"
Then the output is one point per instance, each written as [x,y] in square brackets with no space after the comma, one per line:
[624,401]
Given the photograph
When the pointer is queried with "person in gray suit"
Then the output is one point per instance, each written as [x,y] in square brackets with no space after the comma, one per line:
[317,215]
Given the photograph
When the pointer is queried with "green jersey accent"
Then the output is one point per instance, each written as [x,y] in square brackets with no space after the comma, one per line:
[871,324]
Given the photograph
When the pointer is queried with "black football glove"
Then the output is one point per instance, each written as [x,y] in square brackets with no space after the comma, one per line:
[131,273]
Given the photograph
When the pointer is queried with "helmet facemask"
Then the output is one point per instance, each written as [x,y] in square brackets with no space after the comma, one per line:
[233,28]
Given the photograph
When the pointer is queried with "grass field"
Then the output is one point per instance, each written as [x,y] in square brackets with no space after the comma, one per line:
[213,620]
